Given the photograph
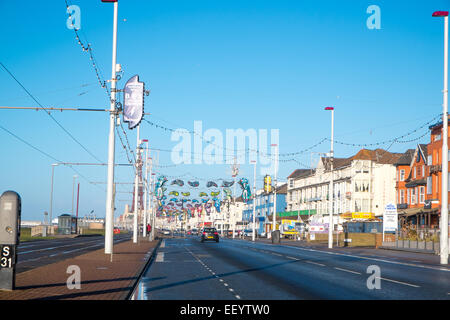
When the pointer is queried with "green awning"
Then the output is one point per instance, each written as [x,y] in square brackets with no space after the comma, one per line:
[297,213]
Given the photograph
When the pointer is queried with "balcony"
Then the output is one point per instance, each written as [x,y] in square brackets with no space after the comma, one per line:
[435,168]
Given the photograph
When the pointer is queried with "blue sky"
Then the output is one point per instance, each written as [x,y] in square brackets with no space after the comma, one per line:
[231,64]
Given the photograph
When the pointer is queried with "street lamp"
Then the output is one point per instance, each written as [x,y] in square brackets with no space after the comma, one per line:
[444,196]
[331,224]
[254,199]
[51,192]
[73,190]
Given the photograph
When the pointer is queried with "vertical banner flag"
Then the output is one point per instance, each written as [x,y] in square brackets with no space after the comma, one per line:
[133,102]
[390,218]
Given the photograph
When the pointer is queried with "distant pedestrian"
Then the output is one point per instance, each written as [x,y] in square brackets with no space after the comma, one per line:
[149,228]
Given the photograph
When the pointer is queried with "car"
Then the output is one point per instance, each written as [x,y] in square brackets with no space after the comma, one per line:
[166,232]
[116,230]
[248,233]
[209,234]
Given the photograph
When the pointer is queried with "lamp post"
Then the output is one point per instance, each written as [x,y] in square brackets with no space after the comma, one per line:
[444,195]
[145,188]
[274,217]
[73,190]
[136,187]
[254,199]
[51,193]
[331,223]
[109,216]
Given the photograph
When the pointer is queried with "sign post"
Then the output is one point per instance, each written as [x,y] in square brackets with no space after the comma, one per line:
[390,219]
[10,208]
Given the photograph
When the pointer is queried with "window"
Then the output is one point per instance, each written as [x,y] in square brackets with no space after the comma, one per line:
[430,159]
[413,196]
[421,194]
[291,183]
[437,137]
[414,173]
[402,175]
[402,196]
[429,185]
[423,170]
[408,198]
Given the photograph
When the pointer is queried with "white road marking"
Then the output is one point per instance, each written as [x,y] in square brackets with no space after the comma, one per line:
[380,260]
[160,257]
[316,263]
[346,270]
[163,244]
[292,258]
[399,282]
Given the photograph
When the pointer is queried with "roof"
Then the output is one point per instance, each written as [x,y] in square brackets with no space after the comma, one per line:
[424,148]
[337,162]
[282,189]
[299,173]
[378,155]
[406,158]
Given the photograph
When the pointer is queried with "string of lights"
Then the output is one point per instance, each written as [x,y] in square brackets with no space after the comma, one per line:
[46,154]
[88,48]
[49,114]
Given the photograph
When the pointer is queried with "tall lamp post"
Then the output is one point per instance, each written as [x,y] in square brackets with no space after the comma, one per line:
[109,216]
[331,224]
[51,194]
[444,196]
[73,190]
[254,200]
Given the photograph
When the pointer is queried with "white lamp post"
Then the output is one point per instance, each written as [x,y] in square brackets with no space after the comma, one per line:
[331,223]
[444,195]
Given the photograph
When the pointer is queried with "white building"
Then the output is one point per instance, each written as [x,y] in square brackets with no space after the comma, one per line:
[363,183]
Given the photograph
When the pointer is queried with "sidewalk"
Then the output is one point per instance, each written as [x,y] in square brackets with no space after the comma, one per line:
[101,279]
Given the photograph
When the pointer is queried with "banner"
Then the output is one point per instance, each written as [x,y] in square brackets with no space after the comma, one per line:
[390,218]
[133,102]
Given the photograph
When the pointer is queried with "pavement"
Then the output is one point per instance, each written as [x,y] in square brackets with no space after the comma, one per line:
[101,276]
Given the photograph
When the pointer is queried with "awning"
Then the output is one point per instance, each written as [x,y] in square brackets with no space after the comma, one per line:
[413,211]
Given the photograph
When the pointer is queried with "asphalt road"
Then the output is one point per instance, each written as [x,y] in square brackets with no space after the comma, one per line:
[185,269]
[33,254]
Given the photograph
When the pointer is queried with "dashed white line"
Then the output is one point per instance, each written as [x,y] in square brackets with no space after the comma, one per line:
[316,263]
[346,270]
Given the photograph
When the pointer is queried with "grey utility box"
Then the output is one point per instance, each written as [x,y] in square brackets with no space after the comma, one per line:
[10,209]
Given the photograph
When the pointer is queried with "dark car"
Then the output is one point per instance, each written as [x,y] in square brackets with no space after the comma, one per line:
[209,234]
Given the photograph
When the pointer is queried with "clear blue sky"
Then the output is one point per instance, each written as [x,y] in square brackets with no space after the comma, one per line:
[232,64]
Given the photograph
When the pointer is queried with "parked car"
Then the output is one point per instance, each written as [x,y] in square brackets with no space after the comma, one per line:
[209,234]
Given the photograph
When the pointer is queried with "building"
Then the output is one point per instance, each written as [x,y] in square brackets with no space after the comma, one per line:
[415,190]
[363,185]
[264,208]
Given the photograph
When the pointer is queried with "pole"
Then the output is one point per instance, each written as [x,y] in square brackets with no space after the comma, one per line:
[136,189]
[73,191]
[331,224]
[51,193]
[109,217]
[144,229]
[78,202]
[444,200]
[275,190]
[254,201]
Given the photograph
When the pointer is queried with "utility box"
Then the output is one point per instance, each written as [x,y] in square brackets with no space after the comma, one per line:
[10,210]
[276,236]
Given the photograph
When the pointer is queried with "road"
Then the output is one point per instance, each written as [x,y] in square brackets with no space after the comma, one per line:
[185,269]
[33,254]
